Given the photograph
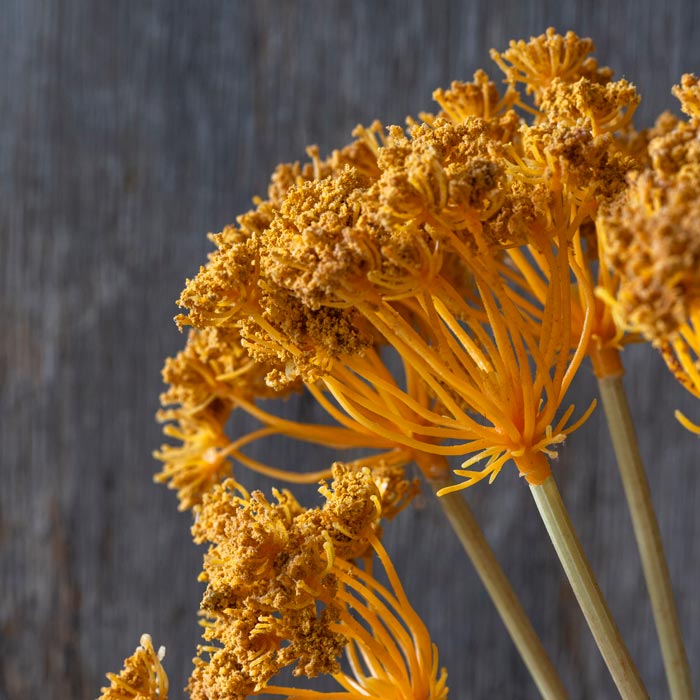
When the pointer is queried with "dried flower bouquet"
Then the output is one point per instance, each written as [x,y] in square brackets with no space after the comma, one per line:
[489,249]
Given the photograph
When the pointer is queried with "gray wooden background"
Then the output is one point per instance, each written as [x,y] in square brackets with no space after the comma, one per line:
[128,130]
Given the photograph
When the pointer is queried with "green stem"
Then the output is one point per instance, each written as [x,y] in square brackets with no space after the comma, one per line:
[498,586]
[646,530]
[587,592]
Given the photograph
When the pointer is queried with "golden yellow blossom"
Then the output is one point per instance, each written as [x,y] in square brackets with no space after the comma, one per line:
[600,108]
[142,678]
[210,378]
[390,653]
[352,263]
[575,157]
[362,252]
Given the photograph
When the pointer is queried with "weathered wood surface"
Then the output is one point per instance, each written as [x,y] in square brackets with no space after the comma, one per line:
[129,130]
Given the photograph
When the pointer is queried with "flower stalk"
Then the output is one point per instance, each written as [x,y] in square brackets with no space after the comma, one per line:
[514,617]
[648,535]
[590,599]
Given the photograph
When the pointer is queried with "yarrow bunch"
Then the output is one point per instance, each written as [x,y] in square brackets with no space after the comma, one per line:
[489,249]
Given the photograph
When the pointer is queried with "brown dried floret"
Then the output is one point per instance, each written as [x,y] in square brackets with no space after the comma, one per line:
[445,176]
[302,341]
[396,491]
[226,286]
[572,162]
[244,650]
[142,678]
[522,212]
[362,153]
[353,504]
[311,248]
[636,143]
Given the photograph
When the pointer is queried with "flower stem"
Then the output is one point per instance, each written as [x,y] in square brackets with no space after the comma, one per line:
[646,530]
[590,599]
[498,586]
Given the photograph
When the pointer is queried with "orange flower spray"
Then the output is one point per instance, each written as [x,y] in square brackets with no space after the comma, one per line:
[486,253]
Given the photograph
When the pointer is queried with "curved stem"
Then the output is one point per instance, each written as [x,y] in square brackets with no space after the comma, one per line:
[590,599]
[498,587]
[648,535]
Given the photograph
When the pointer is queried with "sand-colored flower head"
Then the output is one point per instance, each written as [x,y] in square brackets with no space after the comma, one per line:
[142,678]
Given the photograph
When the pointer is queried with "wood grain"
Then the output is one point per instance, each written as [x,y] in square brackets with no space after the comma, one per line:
[128,131]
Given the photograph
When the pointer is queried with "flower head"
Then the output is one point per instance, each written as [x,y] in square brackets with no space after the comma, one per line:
[142,677]
[550,56]
[477,98]
[454,243]
[652,242]
[201,458]
[688,93]
[209,380]
[282,589]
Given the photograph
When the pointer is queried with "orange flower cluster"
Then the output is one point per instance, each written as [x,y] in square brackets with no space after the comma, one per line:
[653,243]
[489,248]
[455,243]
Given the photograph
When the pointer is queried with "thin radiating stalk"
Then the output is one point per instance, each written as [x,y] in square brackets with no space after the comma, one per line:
[498,586]
[587,592]
[646,530]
